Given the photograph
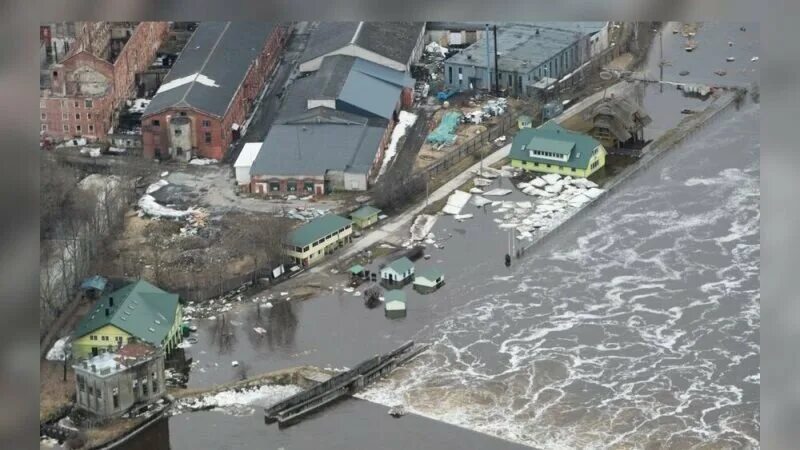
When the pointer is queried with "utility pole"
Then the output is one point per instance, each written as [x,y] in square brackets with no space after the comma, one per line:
[661,61]
[488,62]
[496,68]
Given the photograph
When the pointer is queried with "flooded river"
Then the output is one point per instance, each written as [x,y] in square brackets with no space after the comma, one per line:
[636,325]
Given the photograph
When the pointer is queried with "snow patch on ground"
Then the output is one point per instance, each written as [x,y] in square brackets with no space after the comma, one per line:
[261,396]
[405,121]
[56,352]
[203,161]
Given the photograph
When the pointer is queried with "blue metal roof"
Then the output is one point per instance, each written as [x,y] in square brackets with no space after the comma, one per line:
[95,282]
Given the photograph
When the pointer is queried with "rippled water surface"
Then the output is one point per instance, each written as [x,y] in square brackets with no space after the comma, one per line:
[638,325]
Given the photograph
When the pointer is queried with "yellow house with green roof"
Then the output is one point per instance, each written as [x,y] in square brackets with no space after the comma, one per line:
[310,242]
[554,149]
[138,311]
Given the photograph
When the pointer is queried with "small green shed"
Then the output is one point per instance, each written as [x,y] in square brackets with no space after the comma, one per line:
[394,305]
[365,216]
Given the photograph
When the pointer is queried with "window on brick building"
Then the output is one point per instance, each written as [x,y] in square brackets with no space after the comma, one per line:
[77,116]
[91,128]
[64,116]
[183,113]
[55,74]
[77,105]
[44,127]
[87,103]
[206,123]
[208,137]
[42,104]
[156,123]
[44,116]
[78,128]
[275,186]
[89,116]
[66,128]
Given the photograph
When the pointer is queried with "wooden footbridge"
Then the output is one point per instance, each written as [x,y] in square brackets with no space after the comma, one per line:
[298,406]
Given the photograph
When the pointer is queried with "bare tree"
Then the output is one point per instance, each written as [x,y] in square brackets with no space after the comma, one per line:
[158,234]
[259,237]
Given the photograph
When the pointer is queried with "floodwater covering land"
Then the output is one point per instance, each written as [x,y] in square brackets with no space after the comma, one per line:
[635,325]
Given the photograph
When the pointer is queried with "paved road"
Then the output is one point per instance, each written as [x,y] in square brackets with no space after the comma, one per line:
[394,227]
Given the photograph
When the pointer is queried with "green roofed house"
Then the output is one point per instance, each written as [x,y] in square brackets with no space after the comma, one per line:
[398,272]
[311,241]
[138,311]
[428,280]
[365,216]
[554,149]
[394,305]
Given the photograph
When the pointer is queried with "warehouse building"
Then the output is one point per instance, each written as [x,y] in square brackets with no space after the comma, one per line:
[332,130]
[527,53]
[200,108]
[395,45]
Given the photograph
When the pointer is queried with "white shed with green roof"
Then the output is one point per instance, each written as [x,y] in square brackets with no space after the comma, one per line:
[394,305]
[399,271]
[428,279]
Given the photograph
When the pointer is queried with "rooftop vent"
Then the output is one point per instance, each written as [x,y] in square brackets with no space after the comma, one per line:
[151,329]
[537,31]
[108,312]
[469,56]
[110,301]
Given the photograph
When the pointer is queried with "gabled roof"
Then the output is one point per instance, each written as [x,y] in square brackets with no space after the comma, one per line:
[318,141]
[429,273]
[392,40]
[581,145]
[395,295]
[211,67]
[140,309]
[365,212]
[317,229]
[400,265]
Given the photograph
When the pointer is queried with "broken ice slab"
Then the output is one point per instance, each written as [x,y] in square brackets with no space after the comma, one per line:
[498,192]
[551,178]
[463,216]
[476,191]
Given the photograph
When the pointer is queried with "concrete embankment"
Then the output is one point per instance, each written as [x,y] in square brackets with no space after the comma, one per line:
[650,154]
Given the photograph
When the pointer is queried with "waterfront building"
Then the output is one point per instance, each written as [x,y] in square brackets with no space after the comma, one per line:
[137,312]
[112,383]
[394,306]
[312,241]
[554,149]
[398,272]
[428,280]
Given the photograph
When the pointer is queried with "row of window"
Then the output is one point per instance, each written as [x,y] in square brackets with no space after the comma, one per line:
[291,186]
[66,128]
[322,240]
[94,337]
[65,116]
[157,122]
[547,154]
[551,165]
[87,103]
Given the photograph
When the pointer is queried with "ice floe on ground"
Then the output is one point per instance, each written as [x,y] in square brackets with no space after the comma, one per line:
[262,396]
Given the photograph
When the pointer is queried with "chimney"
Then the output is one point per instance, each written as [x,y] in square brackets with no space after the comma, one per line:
[110,302]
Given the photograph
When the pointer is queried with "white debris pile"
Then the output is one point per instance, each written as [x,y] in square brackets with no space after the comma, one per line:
[554,199]
[203,161]
[58,351]
[436,49]
[117,150]
[261,396]
[456,202]
[216,306]
[80,142]
[422,226]
[305,214]
[138,105]
[150,207]
[405,121]
[156,186]
[93,152]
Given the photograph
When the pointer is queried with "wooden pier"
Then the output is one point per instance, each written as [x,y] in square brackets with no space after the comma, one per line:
[298,406]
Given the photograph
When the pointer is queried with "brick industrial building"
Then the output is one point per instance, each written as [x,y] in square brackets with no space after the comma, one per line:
[89,85]
[212,87]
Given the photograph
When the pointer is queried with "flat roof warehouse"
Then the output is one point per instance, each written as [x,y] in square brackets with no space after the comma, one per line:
[522,47]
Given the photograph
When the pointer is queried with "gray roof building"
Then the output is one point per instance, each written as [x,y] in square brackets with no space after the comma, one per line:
[211,67]
[520,47]
[321,140]
[393,44]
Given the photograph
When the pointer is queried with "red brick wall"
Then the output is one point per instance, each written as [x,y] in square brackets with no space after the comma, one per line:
[60,110]
[241,105]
